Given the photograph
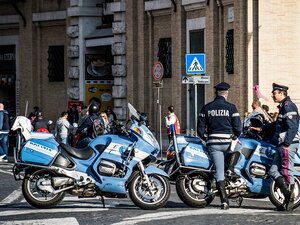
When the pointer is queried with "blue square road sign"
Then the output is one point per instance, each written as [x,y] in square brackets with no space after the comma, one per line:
[195,63]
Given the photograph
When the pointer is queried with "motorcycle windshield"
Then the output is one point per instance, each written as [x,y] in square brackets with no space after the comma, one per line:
[133,112]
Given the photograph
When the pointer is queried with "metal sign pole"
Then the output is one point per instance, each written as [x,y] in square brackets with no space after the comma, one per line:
[160,134]
[196,104]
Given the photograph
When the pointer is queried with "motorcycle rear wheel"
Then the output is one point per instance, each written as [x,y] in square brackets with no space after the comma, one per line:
[149,198]
[277,198]
[193,190]
[36,197]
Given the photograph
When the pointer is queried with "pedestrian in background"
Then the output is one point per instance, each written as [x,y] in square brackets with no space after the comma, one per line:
[256,106]
[4,129]
[219,122]
[40,124]
[104,117]
[172,119]
[33,115]
[73,115]
[63,127]
[111,114]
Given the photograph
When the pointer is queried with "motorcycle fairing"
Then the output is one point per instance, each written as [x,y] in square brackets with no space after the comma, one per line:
[116,147]
[155,170]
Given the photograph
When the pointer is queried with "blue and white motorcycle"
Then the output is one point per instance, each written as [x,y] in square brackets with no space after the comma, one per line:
[109,166]
[190,166]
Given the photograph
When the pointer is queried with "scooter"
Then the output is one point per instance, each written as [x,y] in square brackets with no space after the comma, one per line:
[109,166]
[190,166]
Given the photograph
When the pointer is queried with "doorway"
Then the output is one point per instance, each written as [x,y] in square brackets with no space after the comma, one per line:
[8,78]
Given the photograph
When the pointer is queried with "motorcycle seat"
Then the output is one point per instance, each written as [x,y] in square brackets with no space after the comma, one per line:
[79,153]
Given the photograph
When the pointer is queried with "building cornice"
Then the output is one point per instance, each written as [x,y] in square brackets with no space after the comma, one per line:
[48,16]
[113,7]
[158,5]
[191,5]
[9,19]
[84,11]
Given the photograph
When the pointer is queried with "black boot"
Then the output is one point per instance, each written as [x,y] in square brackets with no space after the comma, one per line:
[288,203]
[223,195]
[232,162]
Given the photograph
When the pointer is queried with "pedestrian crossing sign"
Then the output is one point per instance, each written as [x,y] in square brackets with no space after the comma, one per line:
[195,63]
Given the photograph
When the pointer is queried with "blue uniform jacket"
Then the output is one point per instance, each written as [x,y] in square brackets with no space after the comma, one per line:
[286,126]
[219,119]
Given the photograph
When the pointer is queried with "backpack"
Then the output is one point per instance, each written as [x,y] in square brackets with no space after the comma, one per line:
[98,127]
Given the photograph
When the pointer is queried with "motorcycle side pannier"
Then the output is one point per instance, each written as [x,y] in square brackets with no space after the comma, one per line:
[40,152]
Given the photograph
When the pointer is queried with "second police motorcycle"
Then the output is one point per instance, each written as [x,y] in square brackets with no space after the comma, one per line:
[110,166]
[190,166]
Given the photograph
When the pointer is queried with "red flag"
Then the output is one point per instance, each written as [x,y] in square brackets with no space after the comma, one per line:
[258,93]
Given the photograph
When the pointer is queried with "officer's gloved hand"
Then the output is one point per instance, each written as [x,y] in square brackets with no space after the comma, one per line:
[203,139]
[233,137]
[284,145]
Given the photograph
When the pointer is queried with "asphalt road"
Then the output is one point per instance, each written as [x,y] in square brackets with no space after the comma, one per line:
[73,211]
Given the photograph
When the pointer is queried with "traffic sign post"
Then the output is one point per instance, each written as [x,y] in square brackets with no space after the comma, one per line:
[195,80]
[158,73]
[195,64]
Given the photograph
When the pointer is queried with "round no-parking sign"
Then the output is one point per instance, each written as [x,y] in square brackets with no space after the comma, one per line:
[157,71]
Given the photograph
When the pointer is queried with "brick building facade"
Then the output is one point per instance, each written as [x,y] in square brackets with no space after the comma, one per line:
[246,43]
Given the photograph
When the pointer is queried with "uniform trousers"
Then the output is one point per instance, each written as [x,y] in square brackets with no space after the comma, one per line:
[219,152]
[283,163]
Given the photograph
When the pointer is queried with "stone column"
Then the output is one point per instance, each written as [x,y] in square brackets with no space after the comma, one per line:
[119,90]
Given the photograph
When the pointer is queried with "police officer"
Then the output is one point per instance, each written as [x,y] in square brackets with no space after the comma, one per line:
[286,139]
[220,121]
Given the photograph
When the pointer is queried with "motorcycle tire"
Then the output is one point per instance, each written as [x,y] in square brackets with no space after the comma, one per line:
[193,190]
[36,197]
[140,193]
[277,198]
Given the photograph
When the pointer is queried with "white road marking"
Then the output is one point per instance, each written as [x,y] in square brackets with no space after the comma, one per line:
[53,210]
[5,165]
[64,221]
[206,211]
[4,171]
[13,196]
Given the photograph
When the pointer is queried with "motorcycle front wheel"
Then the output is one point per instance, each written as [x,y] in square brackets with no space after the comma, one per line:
[277,198]
[149,197]
[36,186]
[193,190]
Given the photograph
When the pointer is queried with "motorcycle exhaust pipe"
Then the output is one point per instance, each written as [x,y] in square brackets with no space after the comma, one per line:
[60,181]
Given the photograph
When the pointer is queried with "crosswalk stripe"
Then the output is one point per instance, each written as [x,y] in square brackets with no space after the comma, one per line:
[152,217]
[4,171]
[12,197]
[53,210]
[64,221]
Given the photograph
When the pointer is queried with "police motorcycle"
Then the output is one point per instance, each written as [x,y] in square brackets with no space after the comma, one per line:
[190,166]
[109,166]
